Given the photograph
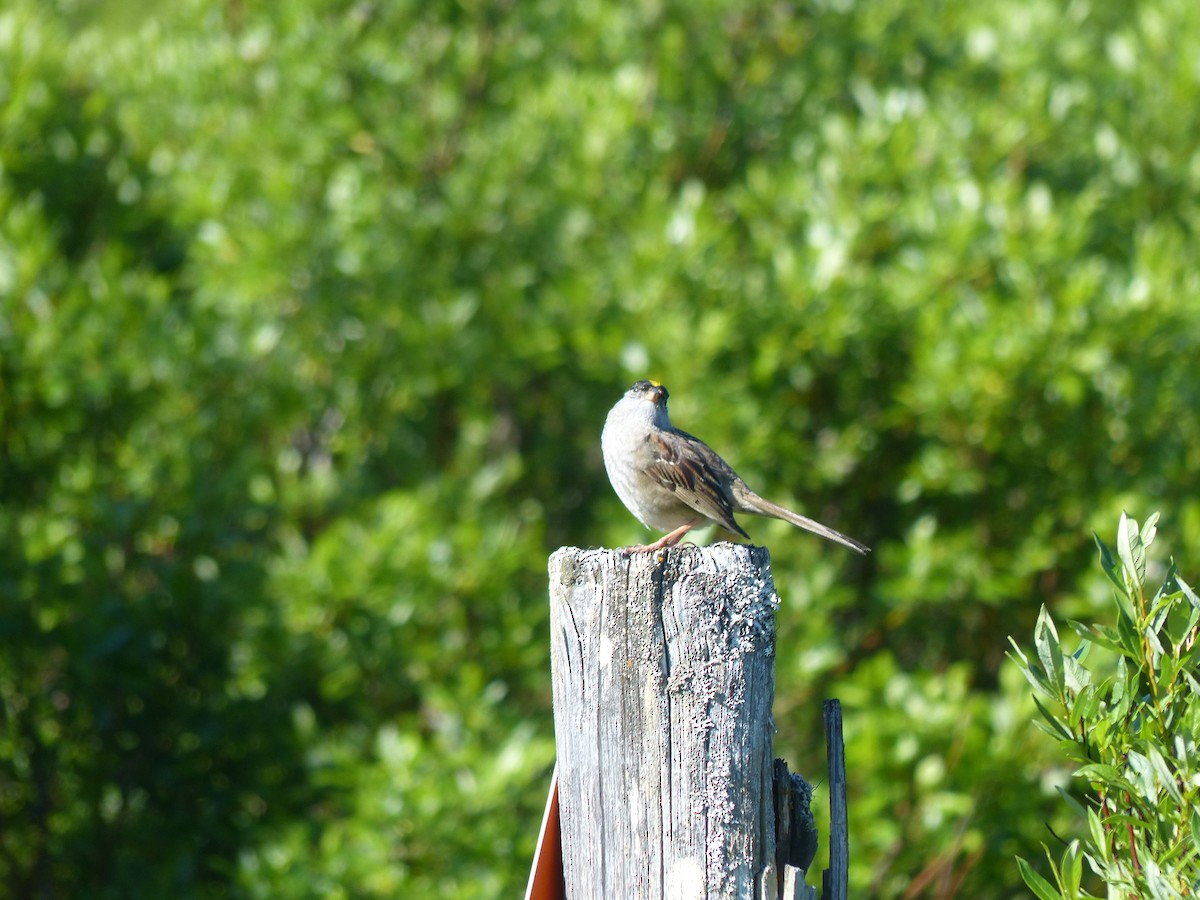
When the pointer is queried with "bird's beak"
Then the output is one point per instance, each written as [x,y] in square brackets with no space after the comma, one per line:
[656,394]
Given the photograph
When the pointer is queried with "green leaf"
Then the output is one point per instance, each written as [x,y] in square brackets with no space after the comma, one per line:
[1165,777]
[1149,529]
[1039,885]
[1095,634]
[1076,676]
[1033,673]
[1130,642]
[1156,646]
[1098,773]
[1168,667]
[1124,821]
[1057,727]
[1143,774]
[1045,640]
[1071,870]
[1087,702]
[1054,731]
[1188,592]
[1109,565]
[1131,551]
[1160,608]
[1180,620]
[1096,829]
[1122,693]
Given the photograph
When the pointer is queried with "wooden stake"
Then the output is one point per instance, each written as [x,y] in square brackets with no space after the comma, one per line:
[664,674]
[836,879]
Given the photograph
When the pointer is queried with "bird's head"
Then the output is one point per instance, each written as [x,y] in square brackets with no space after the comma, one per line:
[647,401]
[650,392]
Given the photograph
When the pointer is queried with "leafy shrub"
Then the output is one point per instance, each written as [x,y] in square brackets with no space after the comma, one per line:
[1124,707]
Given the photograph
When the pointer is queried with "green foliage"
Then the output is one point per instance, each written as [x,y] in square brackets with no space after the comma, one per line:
[1125,709]
[310,314]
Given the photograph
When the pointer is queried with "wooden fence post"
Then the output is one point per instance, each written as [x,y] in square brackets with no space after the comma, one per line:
[835,881]
[664,674]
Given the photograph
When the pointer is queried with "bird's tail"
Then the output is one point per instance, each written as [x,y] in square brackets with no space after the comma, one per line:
[748,501]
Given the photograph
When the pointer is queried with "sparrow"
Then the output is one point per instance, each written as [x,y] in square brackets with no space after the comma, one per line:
[674,482]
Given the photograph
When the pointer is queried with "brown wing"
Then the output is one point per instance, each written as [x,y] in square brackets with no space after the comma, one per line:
[700,478]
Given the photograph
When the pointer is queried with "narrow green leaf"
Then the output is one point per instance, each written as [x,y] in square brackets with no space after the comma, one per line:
[1081,652]
[1039,885]
[1098,773]
[1120,696]
[1168,668]
[1060,729]
[1160,608]
[1122,821]
[1165,777]
[1142,774]
[1155,644]
[1109,565]
[1149,529]
[1071,870]
[1188,592]
[1051,730]
[1076,676]
[1033,673]
[1045,641]
[1193,619]
[1096,634]
[1087,702]
[1180,621]
[1129,641]
[1099,836]
[1129,548]
[1159,887]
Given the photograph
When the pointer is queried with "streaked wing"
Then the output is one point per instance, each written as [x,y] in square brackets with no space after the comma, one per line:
[690,468]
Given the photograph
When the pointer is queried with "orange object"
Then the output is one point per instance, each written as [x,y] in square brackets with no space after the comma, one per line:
[546,876]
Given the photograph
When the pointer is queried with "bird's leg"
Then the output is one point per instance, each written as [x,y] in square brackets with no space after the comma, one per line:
[667,540]
[670,540]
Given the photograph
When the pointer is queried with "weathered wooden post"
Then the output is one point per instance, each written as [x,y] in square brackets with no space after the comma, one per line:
[664,674]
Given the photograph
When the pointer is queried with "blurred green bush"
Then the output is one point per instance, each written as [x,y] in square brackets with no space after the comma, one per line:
[310,315]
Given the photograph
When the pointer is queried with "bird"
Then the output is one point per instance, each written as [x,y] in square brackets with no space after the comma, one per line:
[674,482]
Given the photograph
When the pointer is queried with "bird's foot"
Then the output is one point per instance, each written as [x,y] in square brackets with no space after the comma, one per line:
[664,542]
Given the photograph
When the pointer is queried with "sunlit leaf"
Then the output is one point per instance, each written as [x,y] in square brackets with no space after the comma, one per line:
[1036,883]
[1131,551]
[1045,640]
